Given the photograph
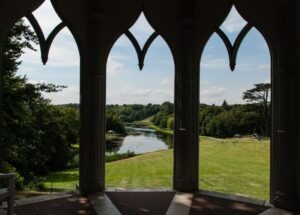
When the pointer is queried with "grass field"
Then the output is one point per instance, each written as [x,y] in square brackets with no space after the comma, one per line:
[233,166]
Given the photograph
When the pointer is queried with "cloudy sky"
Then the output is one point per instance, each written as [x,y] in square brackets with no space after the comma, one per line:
[155,84]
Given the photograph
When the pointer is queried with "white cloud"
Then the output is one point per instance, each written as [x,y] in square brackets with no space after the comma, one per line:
[32,57]
[169,63]
[212,92]
[47,17]
[141,30]
[234,22]
[115,63]
[264,68]
[26,70]
[67,95]
[166,82]
[130,94]
[142,26]
[113,66]
[36,82]
[63,53]
[214,63]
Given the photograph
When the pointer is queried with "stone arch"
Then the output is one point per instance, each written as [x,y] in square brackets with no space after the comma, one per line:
[142,44]
[69,25]
[8,21]
[96,32]
[272,19]
[186,28]
[231,38]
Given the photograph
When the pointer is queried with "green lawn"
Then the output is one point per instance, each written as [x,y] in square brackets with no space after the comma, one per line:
[241,169]
[226,165]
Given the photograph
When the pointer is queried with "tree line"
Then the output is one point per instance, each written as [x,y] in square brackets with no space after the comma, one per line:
[221,121]
[218,121]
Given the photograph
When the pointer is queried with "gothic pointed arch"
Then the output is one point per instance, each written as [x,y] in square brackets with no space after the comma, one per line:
[6,22]
[272,20]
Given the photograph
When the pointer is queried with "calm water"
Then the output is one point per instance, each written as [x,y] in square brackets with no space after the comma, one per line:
[140,140]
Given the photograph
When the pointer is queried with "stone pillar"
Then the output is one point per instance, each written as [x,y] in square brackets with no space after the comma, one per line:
[93,99]
[297,61]
[1,84]
[186,137]
[96,25]
[284,141]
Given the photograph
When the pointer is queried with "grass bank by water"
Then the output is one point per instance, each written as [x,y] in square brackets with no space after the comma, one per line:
[147,123]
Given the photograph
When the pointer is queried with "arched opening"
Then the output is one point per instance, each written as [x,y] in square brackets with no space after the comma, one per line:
[140,154]
[41,108]
[235,114]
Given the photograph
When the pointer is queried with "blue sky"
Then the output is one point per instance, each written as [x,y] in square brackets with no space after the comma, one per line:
[155,84]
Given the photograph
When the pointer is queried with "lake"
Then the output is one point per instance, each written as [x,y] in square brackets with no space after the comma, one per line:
[140,140]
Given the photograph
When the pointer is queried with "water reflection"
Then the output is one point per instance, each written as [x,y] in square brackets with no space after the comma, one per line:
[139,140]
[113,146]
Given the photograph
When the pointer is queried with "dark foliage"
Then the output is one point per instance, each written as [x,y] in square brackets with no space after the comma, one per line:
[260,95]
[161,119]
[36,136]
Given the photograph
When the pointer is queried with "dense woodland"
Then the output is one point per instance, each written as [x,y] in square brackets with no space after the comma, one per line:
[38,137]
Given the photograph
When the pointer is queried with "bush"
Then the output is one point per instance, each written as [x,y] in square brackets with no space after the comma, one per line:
[7,168]
[116,156]
[170,123]
[37,183]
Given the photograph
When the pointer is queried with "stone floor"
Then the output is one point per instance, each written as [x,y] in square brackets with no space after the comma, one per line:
[143,202]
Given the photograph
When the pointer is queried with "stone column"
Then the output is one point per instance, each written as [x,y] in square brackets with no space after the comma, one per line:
[96,24]
[284,141]
[93,99]
[186,137]
[297,61]
[1,84]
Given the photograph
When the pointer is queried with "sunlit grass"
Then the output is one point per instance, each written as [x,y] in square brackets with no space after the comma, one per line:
[236,166]
[233,166]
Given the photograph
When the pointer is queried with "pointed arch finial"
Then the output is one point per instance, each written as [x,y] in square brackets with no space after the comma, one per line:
[141,52]
[234,49]
[45,44]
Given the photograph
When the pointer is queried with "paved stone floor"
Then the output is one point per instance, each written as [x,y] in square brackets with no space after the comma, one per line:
[143,202]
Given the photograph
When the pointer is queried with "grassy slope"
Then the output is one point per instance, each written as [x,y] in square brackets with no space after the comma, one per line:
[147,122]
[241,169]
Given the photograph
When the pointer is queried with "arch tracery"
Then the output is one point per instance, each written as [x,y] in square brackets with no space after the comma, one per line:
[233,49]
[45,44]
[141,52]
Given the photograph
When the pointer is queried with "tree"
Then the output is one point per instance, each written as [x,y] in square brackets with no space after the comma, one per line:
[37,136]
[260,94]
[17,40]
[225,105]
[170,123]
[166,111]
[114,123]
